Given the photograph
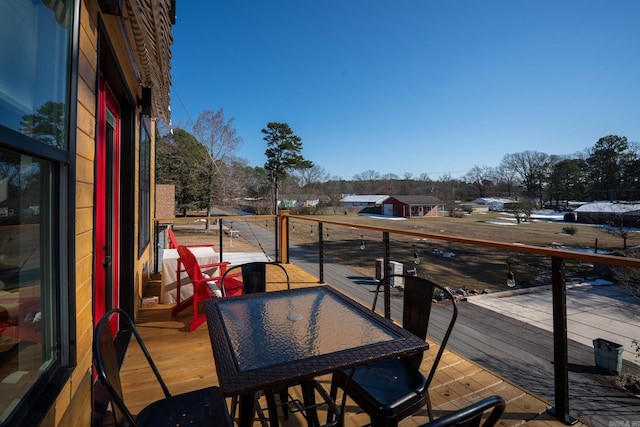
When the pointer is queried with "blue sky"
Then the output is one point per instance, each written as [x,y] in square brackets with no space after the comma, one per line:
[415,86]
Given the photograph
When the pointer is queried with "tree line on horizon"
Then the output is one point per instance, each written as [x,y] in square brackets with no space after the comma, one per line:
[203,165]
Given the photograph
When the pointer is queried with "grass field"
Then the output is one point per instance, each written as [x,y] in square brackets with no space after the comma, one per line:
[451,264]
[457,265]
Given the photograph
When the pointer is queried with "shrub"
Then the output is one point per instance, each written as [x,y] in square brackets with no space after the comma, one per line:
[629,278]
[570,229]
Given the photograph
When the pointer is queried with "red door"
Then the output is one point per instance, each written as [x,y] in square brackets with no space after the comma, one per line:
[107,205]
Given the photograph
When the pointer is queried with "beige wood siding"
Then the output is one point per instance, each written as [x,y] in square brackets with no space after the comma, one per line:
[73,405]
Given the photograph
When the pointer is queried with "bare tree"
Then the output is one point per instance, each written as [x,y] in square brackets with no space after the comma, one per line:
[506,181]
[521,210]
[335,189]
[366,180]
[390,176]
[406,184]
[235,174]
[219,136]
[445,189]
[389,184]
[368,175]
[628,277]
[424,177]
[623,226]
[532,168]
[311,176]
[480,180]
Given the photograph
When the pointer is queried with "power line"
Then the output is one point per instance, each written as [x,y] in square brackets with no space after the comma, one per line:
[175,90]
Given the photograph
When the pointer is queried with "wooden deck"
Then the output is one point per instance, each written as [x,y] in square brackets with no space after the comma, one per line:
[186,362]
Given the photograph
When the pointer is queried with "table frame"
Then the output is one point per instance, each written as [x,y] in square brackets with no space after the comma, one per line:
[234,382]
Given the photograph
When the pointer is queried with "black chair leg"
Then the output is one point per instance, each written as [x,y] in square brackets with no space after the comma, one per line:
[309,398]
[246,409]
[333,394]
[284,399]
[234,406]
[377,422]
[272,407]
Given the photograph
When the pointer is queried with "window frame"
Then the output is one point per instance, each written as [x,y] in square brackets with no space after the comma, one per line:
[144,183]
[36,403]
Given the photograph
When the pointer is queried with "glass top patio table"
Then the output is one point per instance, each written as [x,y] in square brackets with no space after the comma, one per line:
[278,338]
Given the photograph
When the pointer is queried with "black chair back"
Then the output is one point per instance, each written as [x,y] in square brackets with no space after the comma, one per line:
[418,297]
[416,310]
[388,401]
[205,406]
[254,280]
[254,276]
[108,369]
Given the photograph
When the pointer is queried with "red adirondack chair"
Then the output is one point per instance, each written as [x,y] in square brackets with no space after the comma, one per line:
[204,286]
[173,244]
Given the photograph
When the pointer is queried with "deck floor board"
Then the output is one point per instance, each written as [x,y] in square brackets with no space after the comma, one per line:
[186,362]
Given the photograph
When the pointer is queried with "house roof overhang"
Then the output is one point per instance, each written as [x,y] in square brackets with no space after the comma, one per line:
[147,24]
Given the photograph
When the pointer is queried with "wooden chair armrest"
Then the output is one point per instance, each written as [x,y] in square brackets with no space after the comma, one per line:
[223,266]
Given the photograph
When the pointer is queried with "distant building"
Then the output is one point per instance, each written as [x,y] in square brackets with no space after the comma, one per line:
[413,206]
[371,200]
[563,205]
[495,203]
[290,201]
[401,206]
[605,212]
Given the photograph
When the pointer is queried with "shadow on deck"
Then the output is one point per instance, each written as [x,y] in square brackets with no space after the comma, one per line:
[186,362]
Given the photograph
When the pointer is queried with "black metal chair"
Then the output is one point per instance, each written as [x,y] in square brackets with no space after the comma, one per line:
[200,407]
[472,415]
[391,390]
[254,276]
[254,279]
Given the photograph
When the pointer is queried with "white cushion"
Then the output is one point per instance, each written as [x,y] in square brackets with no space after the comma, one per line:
[213,286]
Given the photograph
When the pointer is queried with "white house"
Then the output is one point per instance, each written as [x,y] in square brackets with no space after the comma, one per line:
[605,212]
[363,200]
[494,203]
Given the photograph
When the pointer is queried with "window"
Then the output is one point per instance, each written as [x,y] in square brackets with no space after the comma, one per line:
[34,39]
[144,187]
[35,329]
[29,330]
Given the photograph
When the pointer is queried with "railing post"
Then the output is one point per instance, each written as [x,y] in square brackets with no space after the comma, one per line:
[283,220]
[220,237]
[385,272]
[320,253]
[286,246]
[560,352]
[276,236]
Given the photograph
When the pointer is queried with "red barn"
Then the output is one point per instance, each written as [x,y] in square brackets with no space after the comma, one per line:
[413,206]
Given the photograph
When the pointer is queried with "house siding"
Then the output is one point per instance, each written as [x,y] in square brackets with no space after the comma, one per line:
[409,210]
[73,406]
[618,213]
